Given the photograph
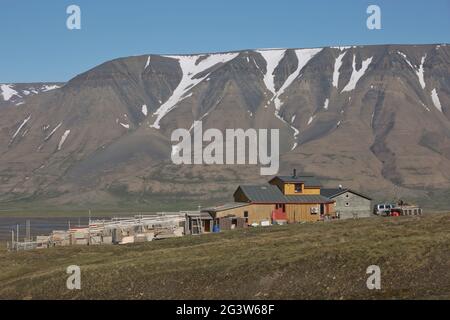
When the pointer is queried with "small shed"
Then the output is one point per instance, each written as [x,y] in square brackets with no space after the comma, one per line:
[229,216]
[198,222]
[231,223]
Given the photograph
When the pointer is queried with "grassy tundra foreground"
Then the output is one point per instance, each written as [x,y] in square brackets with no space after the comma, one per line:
[306,261]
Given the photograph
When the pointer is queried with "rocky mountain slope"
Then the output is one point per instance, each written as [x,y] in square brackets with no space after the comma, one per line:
[17,93]
[375,118]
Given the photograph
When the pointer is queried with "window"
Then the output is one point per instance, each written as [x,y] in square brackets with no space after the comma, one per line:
[347,204]
[346,195]
[246,216]
[298,187]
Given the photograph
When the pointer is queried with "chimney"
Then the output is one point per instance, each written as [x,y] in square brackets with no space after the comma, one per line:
[294,174]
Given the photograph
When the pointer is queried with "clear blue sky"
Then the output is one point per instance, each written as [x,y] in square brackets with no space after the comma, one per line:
[37,46]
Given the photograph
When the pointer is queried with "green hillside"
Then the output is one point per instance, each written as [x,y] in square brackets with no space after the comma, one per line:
[302,261]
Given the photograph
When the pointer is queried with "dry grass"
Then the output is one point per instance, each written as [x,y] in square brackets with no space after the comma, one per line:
[306,261]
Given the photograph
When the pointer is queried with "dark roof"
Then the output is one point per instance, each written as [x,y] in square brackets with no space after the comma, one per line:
[307,198]
[268,193]
[226,206]
[309,181]
[331,193]
[263,193]
[201,215]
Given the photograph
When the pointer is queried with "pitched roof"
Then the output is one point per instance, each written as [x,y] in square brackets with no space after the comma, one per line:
[226,206]
[200,214]
[307,198]
[263,193]
[334,192]
[331,192]
[268,193]
[309,181]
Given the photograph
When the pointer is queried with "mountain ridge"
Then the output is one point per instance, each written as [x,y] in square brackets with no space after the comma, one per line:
[403,136]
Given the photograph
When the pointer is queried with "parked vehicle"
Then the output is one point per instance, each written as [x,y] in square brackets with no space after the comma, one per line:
[383,209]
[393,210]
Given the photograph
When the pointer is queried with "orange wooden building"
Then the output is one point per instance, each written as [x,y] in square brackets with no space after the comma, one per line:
[285,198]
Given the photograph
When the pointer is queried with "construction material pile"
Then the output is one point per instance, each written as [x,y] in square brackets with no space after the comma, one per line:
[140,228]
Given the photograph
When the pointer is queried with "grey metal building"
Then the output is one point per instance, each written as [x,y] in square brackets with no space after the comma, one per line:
[349,204]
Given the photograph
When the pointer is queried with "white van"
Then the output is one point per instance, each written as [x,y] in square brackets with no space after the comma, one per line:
[383,209]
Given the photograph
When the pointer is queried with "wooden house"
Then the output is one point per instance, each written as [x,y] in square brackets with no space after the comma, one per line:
[284,199]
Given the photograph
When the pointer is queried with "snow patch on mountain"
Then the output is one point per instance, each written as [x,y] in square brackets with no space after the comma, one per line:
[8,92]
[254,62]
[436,101]
[144,110]
[326,103]
[406,59]
[311,119]
[296,131]
[190,69]
[303,57]
[24,122]
[46,88]
[337,67]
[357,74]
[273,58]
[147,63]
[53,131]
[419,71]
[17,93]
[63,139]
[342,48]
[125,125]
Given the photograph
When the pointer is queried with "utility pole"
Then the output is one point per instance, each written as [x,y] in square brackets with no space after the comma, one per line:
[28,231]
[89,228]
[17,242]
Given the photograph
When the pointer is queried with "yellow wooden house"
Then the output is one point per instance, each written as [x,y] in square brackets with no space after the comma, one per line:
[284,198]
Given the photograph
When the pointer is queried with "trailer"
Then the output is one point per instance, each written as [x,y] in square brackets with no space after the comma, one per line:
[406,210]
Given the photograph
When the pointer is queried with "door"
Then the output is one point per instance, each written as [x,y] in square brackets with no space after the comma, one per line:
[207,225]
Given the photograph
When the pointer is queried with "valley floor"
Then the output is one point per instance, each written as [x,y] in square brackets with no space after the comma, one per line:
[301,261]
